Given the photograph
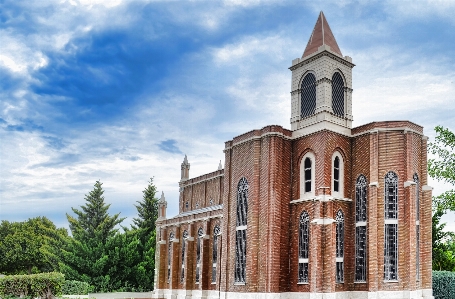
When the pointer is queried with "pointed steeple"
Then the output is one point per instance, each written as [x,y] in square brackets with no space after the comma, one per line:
[162,205]
[321,35]
[185,174]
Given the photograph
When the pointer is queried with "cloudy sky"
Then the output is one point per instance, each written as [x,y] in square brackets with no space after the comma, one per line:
[119,91]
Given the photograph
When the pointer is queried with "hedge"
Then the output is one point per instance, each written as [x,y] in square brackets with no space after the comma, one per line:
[44,285]
[74,287]
[443,285]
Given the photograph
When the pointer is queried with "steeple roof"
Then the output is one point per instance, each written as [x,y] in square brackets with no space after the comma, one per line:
[321,35]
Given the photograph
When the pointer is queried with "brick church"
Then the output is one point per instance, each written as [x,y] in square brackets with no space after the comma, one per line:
[323,210]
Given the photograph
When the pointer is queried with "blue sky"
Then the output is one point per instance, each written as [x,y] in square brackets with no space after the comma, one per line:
[119,91]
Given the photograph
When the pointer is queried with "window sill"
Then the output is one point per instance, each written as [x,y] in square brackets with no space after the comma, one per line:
[239,283]
[213,283]
[303,283]
[392,281]
[360,282]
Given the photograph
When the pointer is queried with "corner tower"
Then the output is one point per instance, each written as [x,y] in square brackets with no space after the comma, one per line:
[321,92]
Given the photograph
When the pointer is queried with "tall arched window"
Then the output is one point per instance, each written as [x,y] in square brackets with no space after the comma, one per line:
[337,175]
[361,229]
[338,94]
[304,247]
[200,234]
[169,256]
[391,226]
[216,233]
[184,237]
[339,246]
[308,95]
[417,196]
[307,175]
[240,239]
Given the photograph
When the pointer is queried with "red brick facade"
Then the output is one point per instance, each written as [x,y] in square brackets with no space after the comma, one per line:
[270,159]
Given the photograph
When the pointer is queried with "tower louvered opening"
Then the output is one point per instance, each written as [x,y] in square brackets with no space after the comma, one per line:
[338,95]
[308,95]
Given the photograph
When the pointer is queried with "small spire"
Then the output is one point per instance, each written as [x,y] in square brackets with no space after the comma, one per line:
[321,35]
[162,199]
[220,166]
[185,169]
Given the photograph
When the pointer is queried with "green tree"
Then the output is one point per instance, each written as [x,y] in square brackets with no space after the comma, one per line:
[443,244]
[144,225]
[85,257]
[30,246]
[442,168]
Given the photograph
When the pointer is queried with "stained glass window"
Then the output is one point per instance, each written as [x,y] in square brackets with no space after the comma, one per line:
[339,246]
[169,256]
[200,233]
[216,233]
[185,236]
[417,196]
[240,238]
[361,229]
[391,226]
[304,247]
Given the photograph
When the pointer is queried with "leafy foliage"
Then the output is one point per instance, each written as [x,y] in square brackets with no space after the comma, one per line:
[442,168]
[74,287]
[443,284]
[443,244]
[30,246]
[44,285]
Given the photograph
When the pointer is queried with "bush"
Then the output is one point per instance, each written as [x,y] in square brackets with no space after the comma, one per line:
[44,285]
[443,284]
[74,287]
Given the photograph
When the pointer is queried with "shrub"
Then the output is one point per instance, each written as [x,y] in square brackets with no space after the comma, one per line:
[44,285]
[74,287]
[443,284]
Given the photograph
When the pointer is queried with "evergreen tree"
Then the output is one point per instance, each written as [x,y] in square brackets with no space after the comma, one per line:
[147,210]
[93,221]
[86,255]
[144,225]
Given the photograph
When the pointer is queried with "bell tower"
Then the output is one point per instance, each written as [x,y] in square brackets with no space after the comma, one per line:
[321,88]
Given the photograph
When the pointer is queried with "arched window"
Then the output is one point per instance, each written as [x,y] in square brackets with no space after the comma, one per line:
[361,229]
[339,246]
[200,234]
[337,175]
[169,256]
[240,239]
[304,247]
[216,233]
[391,226]
[338,94]
[307,175]
[308,95]
[417,196]
[185,236]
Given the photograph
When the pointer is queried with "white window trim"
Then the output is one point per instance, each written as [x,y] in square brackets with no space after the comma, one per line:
[312,193]
[339,194]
